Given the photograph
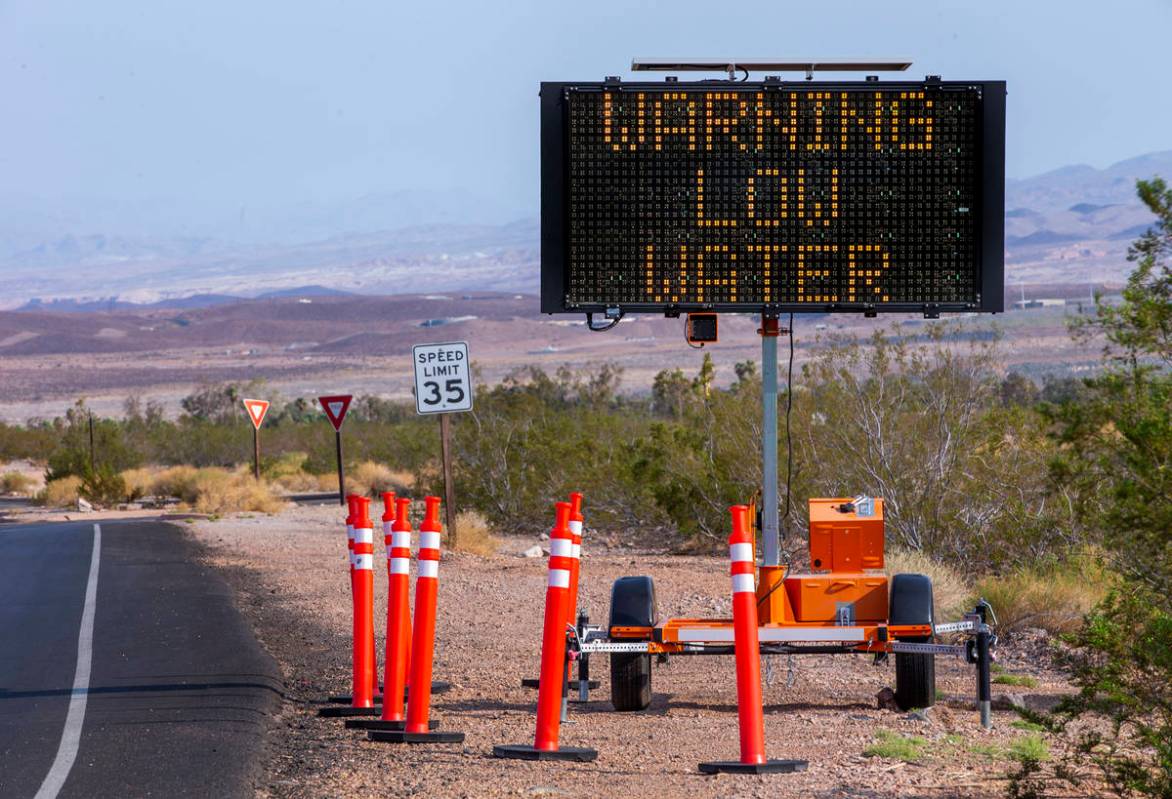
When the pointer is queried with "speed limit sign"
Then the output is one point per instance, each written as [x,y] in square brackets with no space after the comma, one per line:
[443,383]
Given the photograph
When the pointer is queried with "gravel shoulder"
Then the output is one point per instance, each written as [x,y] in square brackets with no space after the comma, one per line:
[290,575]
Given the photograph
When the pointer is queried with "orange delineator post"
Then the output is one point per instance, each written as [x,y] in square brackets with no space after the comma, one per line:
[354,706]
[417,729]
[398,613]
[575,526]
[553,654]
[747,649]
[363,596]
[354,501]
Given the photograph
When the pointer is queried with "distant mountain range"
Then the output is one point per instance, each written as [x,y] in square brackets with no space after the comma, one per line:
[1074,224]
[1071,225]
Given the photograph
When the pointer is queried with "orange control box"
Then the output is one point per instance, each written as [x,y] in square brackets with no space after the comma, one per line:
[844,540]
[838,598]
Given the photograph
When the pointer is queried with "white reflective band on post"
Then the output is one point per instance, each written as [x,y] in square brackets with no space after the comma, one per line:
[363,535]
[364,562]
[740,552]
[402,540]
[428,568]
[576,551]
[576,528]
[351,554]
[743,583]
[401,565]
[387,528]
[429,540]
[350,532]
[560,547]
[559,578]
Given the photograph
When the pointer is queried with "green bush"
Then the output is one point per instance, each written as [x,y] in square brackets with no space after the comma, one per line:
[103,485]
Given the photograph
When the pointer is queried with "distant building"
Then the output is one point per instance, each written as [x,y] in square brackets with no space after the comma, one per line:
[1039,303]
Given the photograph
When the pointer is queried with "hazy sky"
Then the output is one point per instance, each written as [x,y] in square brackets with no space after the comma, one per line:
[191,108]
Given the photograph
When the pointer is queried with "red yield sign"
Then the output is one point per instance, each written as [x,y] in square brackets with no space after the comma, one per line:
[335,407]
[256,411]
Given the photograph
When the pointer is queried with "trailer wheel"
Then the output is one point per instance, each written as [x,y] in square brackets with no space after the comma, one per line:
[632,604]
[915,680]
[915,673]
[630,681]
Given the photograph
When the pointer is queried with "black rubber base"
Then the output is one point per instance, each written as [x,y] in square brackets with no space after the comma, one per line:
[530,682]
[345,699]
[344,711]
[578,754]
[768,767]
[379,724]
[404,737]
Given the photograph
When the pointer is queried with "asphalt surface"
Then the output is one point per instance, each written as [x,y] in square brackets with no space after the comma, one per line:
[180,692]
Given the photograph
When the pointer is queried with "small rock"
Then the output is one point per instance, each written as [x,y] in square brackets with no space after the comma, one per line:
[533,552]
[886,700]
[544,537]
[84,506]
[921,716]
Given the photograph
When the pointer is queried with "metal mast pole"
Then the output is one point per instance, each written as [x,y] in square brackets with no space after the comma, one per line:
[770,527]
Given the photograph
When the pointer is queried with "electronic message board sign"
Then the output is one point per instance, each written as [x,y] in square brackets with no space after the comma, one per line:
[775,196]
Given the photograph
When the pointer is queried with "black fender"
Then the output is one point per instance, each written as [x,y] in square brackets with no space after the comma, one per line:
[632,602]
[911,600]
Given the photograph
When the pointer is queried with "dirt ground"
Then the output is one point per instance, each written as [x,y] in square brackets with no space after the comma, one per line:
[290,572]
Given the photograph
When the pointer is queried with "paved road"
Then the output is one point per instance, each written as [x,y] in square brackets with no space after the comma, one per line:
[179,690]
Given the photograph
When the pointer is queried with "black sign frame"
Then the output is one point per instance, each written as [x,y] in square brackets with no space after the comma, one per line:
[989,221]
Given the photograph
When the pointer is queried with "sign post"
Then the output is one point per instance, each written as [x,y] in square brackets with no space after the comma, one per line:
[336,406]
[256,414]
[443,385]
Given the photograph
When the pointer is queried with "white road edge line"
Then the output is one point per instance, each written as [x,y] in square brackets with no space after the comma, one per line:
[71,735]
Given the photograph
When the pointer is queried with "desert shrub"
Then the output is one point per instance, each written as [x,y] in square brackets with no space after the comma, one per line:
[371,479]
[921,424]
[951,592]
[304,481]
[31,441]
[16,483]
[72,456]
[474,535]
[284,464]
[103,485]
[704,460]
[178,482]
[534,438]
[61,493]
[1116,437]
[220,491]
[1054,596]
[139,483]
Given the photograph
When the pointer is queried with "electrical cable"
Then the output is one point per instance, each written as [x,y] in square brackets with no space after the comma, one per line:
[689,341]
[590,322]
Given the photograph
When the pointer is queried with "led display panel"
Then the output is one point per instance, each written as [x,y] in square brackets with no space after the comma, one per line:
[773,196]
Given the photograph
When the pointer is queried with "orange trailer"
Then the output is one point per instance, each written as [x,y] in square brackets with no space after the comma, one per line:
[845,604]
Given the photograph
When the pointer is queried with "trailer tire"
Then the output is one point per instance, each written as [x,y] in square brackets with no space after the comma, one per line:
[915,673]
[630,681]
[915,680]
[632,604]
